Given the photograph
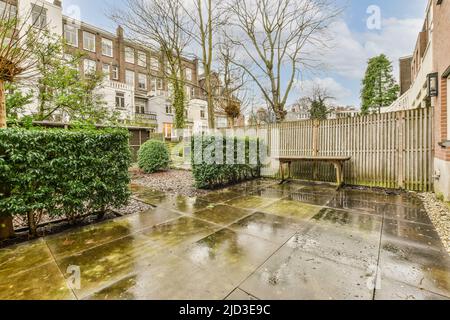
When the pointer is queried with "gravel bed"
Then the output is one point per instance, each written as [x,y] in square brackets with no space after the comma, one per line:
[439,213]
[173,181]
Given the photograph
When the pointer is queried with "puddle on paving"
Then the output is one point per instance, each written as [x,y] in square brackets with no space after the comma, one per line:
[357,222]
[314,199]
[412,233]
[267,226]
[270,193]
[412,214]
[232,254]
[222,214]
[92,236]
[292,209]
[250,202]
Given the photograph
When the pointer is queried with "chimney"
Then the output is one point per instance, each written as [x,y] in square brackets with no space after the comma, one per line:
[58,3]
[119,32]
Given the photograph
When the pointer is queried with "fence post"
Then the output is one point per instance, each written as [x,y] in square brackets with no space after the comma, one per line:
[401,149]
[316,125]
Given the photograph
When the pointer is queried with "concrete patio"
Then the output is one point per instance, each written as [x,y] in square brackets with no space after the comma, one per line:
[258,240]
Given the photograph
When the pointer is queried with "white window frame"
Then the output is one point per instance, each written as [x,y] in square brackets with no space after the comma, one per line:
[115,72]
[38,16]
[154,63]
[89,41]
[188,93]
[141,77]
[89,66]
[128,73]
[142,59]
[169,110]
[188,74]
[129,55]
[107,47]
[120,100]
[73,31]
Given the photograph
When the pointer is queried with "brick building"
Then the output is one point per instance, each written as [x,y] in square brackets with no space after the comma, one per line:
[424,78]
[135,85]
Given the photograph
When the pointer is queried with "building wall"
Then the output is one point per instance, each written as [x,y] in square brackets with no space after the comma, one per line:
[405,74]
[442,64]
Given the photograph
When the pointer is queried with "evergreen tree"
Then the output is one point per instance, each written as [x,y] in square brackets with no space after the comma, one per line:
[379,88]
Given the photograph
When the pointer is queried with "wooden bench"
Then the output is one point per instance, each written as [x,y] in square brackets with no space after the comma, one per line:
[338,163]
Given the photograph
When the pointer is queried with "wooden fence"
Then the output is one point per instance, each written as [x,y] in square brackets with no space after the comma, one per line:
[392,150]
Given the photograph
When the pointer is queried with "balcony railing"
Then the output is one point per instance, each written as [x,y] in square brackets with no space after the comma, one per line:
[146,117]
[118,85]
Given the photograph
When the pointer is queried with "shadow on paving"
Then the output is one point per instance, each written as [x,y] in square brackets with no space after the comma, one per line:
[257,240]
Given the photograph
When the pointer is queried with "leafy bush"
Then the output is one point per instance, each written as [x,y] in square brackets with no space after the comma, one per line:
[219,161]
[153,156]
[62,173]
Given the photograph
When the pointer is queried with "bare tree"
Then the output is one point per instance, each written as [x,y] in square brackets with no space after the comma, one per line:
[160,25]
[232,98]
[19,36]
[275,36]
[319,100]
[205,18]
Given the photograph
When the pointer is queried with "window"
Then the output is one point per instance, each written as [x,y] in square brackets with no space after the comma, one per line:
[142,81]
[107,47]
[39,16]
[193,92]
[140,105]
[168,109]
[129,55]
[106,69]
[115,73]
[90,66]
[12,9]
[154,63]
[71,35]
[129,77]
[202,114]
[189,74]
[160,84]
[142,59]
[448,114]
[120,100]
[88,41]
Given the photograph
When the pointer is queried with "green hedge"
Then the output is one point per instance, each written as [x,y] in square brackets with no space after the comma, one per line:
[209,174]
[153,156]
[63,173]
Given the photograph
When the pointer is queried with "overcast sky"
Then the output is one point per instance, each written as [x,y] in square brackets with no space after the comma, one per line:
[354,42]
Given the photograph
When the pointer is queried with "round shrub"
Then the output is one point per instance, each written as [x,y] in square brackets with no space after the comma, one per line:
[153,156]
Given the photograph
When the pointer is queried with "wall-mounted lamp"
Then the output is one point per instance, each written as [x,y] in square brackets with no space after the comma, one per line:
[433,85]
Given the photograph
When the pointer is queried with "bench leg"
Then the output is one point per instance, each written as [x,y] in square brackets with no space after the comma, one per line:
[282,173]
[339,174]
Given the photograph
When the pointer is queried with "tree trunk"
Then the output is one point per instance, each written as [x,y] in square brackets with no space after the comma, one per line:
[2,105]
[6,224]
[32,227]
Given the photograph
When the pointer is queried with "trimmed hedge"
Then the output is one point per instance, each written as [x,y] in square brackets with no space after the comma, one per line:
[209,174]
[153,156]
[63,173]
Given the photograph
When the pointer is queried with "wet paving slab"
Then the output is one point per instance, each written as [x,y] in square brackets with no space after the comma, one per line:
[222,215]
[258,240]
[292,209]
[292,274]
[393,290]
[233,254]
[167,278]
[92,236]
[250,202]
[270,227]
